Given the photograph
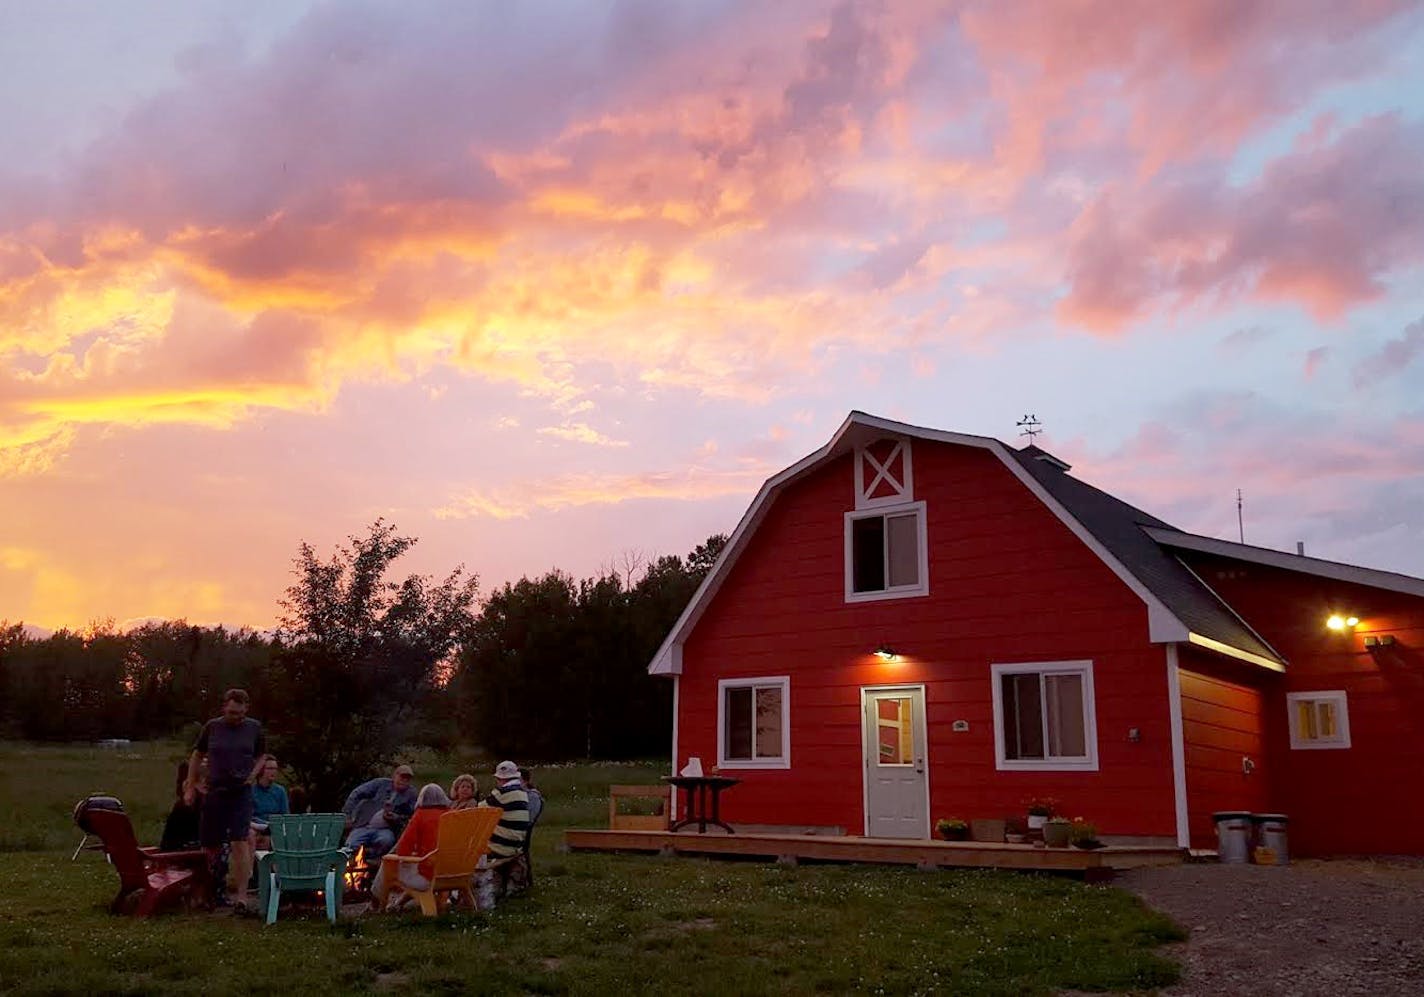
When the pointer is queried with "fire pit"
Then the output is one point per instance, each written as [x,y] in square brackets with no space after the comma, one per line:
[359,875]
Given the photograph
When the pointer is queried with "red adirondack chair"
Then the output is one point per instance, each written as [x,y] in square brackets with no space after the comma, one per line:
[148,880]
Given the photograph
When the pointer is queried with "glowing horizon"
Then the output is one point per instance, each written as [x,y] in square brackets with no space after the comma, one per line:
[546,284]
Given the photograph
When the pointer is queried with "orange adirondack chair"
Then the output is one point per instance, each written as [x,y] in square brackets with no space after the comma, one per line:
[148,879]
[462,837]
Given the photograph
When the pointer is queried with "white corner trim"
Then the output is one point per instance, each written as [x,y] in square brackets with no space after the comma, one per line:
[1234,652]
[784,761]
[1089,763]
[1342,720]
[1179,748]
[676,689]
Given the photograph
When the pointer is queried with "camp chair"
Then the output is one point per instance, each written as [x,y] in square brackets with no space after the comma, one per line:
[148,880]
[305,855]
[462,837]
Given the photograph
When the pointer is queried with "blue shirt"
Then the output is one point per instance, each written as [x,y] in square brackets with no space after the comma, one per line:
[272,800]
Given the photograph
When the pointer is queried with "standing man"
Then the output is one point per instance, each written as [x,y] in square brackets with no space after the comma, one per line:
[234,747]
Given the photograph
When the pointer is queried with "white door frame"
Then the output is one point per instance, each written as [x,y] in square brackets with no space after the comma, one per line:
[865,690]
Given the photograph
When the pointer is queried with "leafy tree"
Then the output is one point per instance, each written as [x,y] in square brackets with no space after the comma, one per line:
[357,655]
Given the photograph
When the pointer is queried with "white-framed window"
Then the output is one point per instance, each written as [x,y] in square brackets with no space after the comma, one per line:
[884,474]
[886,555]
[754,723]
[1319,719]
[1045,717]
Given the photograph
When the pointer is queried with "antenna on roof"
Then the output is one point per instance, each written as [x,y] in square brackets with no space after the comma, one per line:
[1031,427]
[1240,523]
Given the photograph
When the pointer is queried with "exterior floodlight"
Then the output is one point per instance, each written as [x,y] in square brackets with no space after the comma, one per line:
[885,653]
[1340,623]
[1336,623]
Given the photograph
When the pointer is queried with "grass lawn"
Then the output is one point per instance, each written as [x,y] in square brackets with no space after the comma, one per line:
[593,924]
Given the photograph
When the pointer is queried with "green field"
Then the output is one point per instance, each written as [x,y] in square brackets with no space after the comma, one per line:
[593,924]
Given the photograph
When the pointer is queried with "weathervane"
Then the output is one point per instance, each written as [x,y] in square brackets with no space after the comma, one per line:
[1030,426]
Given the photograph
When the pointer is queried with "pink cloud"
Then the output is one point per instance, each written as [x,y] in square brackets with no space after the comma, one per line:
[1321,226]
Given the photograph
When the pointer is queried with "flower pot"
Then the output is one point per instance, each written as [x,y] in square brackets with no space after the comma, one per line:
[954,833]
[987,829]
[1056,835]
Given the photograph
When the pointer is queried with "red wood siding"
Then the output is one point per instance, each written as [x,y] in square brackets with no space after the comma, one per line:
[1008,583]
[1222,722]
[1364,799]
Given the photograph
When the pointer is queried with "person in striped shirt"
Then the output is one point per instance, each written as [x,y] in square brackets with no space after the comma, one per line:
[506,868]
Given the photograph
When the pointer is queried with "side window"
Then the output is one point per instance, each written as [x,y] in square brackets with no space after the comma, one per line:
[1318,719]
[1045,716]
[885,553]
[754,723]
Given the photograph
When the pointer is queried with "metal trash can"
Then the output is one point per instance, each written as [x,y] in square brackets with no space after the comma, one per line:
[1271,833]
[1233,836]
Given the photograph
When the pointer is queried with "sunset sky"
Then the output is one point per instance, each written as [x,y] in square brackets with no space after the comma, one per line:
[545,283]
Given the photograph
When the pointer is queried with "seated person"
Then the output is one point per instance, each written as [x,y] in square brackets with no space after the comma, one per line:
[419,838]
[180,830]
[464,792]
[508,866]
[376,811]
[268,797]
[536,798]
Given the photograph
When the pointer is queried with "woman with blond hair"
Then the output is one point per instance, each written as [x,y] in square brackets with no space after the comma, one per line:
[464,792]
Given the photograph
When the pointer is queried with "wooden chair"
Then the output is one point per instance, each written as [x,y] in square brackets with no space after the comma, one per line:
[148,880]
[639,822]
[462,837]
[305,855]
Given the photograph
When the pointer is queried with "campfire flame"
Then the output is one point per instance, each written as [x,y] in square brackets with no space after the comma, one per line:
[355,868]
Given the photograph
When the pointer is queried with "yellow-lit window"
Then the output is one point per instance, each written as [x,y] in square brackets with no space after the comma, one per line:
[1319,719]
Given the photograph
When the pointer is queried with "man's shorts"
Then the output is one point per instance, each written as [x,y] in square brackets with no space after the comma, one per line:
[226,816]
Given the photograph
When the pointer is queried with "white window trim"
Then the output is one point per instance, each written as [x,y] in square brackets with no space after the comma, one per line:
[1090,718]
[1342,720]
[865,482]
[783,762]
[922,588]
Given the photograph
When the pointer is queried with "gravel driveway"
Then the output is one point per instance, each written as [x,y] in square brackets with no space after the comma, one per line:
[1312,928]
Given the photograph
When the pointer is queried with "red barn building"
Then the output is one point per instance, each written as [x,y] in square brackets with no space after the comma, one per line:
[911,624]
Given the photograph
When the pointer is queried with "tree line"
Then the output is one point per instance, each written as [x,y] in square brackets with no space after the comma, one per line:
[363,664]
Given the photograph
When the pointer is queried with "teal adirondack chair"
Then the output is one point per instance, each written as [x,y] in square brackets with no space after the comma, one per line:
[305,855]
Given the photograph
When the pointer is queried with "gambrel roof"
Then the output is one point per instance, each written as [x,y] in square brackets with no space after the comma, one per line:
[1135,546]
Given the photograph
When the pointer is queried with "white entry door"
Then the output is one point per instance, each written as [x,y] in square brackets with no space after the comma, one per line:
[897,801]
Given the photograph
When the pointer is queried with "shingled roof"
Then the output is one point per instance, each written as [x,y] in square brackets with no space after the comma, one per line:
[1121,528]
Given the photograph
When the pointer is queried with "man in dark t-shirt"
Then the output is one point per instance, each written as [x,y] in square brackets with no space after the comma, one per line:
[235,749]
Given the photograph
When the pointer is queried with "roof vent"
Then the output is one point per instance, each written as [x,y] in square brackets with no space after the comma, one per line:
[1038,453]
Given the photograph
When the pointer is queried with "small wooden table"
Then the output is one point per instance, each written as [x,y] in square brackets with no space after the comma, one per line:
[698,788]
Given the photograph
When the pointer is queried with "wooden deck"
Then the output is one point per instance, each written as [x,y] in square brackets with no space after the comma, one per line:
[791,848]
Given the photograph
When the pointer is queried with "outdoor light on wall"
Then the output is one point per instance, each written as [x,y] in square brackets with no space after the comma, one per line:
[1380,640]
[1340,623]
[886,653]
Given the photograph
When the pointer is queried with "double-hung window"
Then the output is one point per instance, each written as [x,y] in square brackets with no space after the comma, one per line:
[1044,716]
[754,723]
[1319,719]
[885,554]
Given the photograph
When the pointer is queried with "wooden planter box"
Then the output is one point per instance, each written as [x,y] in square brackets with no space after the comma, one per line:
[987,829]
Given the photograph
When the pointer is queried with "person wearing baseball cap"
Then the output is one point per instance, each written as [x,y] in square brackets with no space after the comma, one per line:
[506,848]
[377,810]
